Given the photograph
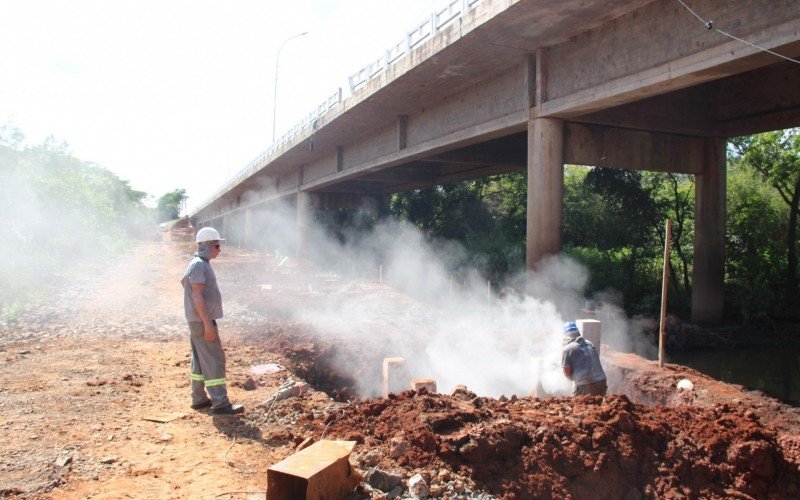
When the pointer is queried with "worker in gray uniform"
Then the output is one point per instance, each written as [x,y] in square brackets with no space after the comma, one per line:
[581,363]
[202,303]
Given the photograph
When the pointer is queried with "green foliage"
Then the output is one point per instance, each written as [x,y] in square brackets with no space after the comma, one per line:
[170,205]
[58,210]
[775,156]
[614,225]
[487,216]
[755,248]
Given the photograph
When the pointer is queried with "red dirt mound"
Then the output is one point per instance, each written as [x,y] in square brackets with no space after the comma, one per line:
[586,447]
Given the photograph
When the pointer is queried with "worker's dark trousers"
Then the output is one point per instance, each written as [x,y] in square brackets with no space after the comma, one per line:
[208,367]
[596,388]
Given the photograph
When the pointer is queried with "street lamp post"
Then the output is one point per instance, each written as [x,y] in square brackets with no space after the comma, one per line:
[275,90]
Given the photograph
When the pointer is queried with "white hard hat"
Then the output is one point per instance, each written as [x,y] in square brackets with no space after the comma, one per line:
[207,234]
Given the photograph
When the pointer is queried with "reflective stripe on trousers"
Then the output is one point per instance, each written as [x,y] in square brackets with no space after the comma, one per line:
[207,367]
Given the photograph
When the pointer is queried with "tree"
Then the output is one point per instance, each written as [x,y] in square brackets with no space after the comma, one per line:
[776,157]
[170,205]
[754,245]
[674,196]
[58,210]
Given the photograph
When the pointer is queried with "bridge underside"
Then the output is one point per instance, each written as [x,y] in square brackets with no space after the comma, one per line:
[636,85]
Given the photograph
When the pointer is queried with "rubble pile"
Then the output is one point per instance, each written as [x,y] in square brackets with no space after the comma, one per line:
[587,447]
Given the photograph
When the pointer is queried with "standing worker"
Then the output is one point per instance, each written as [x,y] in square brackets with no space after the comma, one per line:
[202,304]
[581,363]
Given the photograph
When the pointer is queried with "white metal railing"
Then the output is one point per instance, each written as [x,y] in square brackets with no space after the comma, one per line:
[438,20]
[255,164]
[427,29]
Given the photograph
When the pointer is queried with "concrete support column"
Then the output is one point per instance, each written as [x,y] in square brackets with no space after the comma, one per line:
[545,188]
[247,230]
[709,235]
[304,211]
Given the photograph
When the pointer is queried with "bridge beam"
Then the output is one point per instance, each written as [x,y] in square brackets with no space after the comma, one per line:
[709,235]
[545,189]
[612,147]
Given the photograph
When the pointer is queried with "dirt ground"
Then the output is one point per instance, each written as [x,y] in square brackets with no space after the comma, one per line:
[84,376]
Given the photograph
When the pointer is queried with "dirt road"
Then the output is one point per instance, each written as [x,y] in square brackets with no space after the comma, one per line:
[79,376]
[84,376]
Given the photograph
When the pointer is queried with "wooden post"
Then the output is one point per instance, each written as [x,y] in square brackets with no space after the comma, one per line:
[489,292]
[664,278]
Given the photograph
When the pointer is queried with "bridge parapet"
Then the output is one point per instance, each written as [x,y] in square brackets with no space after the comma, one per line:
[427,29]
[259,161]
[439,20]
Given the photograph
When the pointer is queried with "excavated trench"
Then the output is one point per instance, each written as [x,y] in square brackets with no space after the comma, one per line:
[335,368]
[645,440]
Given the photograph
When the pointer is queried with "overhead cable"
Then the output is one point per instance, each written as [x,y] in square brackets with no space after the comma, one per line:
[710,25]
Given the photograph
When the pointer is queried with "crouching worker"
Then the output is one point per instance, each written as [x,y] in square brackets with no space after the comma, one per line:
[202,304]
[581,363]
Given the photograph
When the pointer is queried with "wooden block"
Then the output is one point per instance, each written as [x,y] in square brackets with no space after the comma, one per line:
[320,471]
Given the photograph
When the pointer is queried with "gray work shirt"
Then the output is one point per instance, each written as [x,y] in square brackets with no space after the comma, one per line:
[582,357]
[199,271]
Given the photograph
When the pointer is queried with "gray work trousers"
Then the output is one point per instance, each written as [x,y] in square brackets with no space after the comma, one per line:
[208,367]
[596,388]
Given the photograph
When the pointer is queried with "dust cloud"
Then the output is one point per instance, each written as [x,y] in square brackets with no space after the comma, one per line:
[60,215]
[443,318]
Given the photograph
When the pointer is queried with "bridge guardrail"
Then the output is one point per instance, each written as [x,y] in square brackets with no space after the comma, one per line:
[253,166]
[438,20]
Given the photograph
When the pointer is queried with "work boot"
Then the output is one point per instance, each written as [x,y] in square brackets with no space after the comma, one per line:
[228,410]
[205,404]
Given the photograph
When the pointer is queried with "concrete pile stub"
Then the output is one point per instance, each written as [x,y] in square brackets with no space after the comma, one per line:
[394,375]
[428,383]
[536,371]
[320,471]
[590,330]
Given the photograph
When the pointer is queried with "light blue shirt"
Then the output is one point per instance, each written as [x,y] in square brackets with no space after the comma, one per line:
[199,271]
[582,357]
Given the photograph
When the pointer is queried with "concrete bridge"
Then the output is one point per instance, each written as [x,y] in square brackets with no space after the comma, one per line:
[494,86]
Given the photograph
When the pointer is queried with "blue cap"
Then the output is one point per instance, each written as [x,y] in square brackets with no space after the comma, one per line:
[571,330]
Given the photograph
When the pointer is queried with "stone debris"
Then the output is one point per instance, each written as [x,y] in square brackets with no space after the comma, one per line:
[399,448]
[287,390]
[266,368]
[382,480]
[418,487]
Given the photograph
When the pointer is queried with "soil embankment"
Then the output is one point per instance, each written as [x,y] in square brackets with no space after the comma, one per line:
[83,376]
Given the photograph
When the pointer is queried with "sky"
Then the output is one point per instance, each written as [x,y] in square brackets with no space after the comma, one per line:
[179,94]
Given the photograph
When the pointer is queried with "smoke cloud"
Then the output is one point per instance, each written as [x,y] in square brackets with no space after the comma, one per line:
[445,320]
